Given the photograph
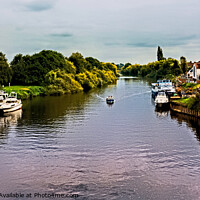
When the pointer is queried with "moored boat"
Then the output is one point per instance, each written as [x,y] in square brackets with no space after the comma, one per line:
[161,100]
[10,104]
[3,97]
[162,85]
[110,100]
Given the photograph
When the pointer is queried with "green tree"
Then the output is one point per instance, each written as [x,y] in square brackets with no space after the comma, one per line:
[59,82]
[160,54]
[5,70]
[80,62]
[94,62]
[126,65]
[31,70]
[184,66]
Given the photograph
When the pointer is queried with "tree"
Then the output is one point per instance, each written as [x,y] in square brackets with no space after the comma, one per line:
[94,62]
[184,66]
[5,70]
[160,54]
[126,65]
[19,70]
[31,70]
[79,62]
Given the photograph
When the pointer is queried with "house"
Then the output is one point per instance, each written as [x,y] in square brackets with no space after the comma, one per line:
[194,72]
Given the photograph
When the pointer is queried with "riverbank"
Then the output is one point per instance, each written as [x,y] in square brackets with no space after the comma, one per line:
[177,106]
[26,92]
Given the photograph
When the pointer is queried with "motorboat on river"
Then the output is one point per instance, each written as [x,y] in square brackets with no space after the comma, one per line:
[10,104]
[110,100]
[161,100]
[163,86]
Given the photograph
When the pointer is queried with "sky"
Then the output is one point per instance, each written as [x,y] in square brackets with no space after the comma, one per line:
[118,31]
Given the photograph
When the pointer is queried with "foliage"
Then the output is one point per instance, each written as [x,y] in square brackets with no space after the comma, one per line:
[194,102]
[110,67]
[31,70]
[183,64]
[183,101]
[196,86]
[96,78]
[160,54]
[119,66]
[188,85]
[59,82]
[154,70]
[94,62]
[5,70]
[80,62]
[61,75]
[131,70]
[25,92]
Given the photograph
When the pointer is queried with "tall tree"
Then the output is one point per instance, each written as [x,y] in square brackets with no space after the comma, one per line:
[184,66]
[160,54]
[5,70]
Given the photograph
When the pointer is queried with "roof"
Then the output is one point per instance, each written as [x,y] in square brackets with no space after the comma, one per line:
[197,65]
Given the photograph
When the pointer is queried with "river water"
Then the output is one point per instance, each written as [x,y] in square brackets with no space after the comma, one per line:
[79,145]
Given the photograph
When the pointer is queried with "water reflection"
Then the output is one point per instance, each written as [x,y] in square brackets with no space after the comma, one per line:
[9,119]
[161,113]
[77,144]
[46,110]
[191,122]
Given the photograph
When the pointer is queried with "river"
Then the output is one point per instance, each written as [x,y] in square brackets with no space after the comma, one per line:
[79,145]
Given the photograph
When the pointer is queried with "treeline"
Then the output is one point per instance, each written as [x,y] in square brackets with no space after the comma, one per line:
[155,70]
[59,74]
[163,68]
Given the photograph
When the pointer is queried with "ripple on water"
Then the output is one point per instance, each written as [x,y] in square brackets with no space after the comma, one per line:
[78,145]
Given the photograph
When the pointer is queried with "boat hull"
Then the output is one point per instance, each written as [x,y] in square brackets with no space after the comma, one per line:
[110,101]
[10,109]
[162,105]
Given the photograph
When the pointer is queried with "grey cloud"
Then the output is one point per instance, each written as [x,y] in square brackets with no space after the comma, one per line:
[61,35]
[167,41]
[177,41]
[38,6]
[142,44]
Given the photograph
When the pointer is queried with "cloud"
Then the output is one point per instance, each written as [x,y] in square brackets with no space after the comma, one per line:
[142,44]
[61,35]
[162,40]
[121,30]
[38,6]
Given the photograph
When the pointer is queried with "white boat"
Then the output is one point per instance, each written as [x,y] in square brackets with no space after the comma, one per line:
[10,104]
[110,100]
[161,100]
[162,85]
[3,97]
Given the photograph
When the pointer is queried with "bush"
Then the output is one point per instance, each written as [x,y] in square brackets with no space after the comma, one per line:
[59,82]
[194,103]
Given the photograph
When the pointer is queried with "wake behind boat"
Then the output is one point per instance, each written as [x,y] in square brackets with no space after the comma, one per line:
[10,104]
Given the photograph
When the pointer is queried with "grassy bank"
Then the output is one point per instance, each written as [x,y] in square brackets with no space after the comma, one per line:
[26,92]
[192,103]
